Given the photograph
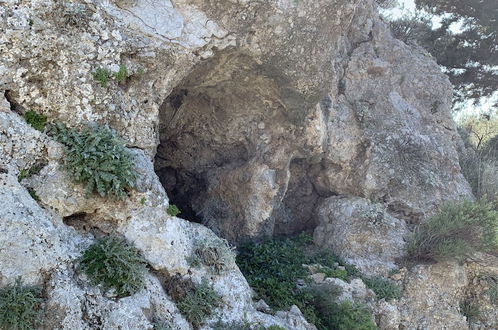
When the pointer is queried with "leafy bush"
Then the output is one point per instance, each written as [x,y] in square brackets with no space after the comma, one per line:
[173,210]
[102,76]
[457,231]
[36,120]
[20,306]
[97,158]
[215,253]
[199,303]
[275,327]
[383,287]
[114,264]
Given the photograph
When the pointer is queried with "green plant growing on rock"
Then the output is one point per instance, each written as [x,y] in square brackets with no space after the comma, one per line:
[384,288]
[36,120]
[456,232]
[214,253]
[121,75]
[347,316]
[114,264]
[469,310]
[199,303]
[20,306]
[332,315]
[273,268]
[26,173]
[97,158]
[102,76]
[173,210]
[33,194]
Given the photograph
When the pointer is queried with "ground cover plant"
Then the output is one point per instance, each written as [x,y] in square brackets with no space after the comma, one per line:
[36,120]
[273,268]
[173,210]
[20,306]
[384,288]
[114,264]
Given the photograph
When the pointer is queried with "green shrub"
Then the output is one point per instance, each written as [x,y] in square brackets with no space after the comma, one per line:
[346,316]
[457,231]
[199,303]
[275,327]
[36,120]
[122,74]
[97,158]
[469,310]
[173,210]
[215,253]
[102,76]
[20,306]
[384,288]
[114,264]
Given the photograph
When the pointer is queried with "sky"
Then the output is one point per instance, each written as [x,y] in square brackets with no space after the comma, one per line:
[405,7]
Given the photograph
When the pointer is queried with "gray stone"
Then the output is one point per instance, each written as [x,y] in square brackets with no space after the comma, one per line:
[361,233]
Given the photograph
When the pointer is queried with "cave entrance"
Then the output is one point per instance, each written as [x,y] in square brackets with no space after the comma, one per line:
[227,139]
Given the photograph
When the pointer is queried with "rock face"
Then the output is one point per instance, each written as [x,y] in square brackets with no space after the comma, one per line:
[236,155]
[361,233]
[257,118]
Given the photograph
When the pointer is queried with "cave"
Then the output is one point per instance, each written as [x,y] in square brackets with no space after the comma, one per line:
[230,153]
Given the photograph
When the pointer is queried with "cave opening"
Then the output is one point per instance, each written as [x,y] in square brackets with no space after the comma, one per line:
[227,144]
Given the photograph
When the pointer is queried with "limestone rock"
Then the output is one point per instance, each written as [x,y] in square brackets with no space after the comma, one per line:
[432,295]
[256,116]
[361,233]
[33,243]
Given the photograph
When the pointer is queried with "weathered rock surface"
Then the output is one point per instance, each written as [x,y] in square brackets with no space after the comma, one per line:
[432,296]
[256,116]
[234,152]
[361,233]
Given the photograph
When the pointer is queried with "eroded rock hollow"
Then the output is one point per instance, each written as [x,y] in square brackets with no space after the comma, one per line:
[250,147]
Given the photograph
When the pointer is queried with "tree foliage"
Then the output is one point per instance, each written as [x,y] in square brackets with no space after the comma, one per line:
[470,54]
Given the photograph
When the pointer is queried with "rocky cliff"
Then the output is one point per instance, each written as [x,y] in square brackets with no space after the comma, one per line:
[256,118]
